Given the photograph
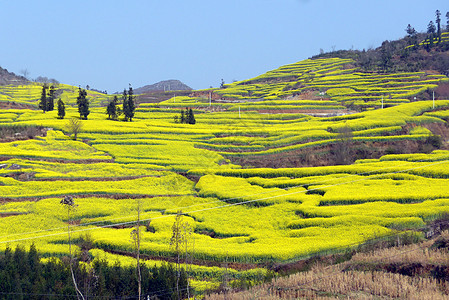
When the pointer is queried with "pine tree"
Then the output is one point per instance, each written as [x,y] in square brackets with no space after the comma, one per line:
[33,262]
[186,116]
[191,117]
[125,103]
[61,109]
[386,56]
[447,22]
[438,21]
[111,109]
[183,117]
[430,34]
[410,30]
[411,34]
[43,100]
[83,103]
[128,105]
[51,99]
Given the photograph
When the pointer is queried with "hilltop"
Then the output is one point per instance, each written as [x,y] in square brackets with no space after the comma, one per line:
[402,55]
[396,72]
[165,85]
[11,78]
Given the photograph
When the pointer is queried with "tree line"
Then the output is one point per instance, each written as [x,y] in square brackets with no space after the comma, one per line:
[186,117]
[433,32]
[47,100]
[407,54]
[46,103]
[24,276]
[114,109]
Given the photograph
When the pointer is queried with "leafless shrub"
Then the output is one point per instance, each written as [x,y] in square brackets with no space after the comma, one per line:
[74,127]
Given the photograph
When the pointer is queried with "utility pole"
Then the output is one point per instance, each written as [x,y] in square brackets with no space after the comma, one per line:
[135,238]
[225,278]
[433,99]
[239,112]
[382,102]
[139,276]
[210,98]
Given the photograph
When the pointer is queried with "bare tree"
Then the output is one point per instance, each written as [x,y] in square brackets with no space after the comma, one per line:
[25,73]
[187,231]
[68,202]
[135,236]
[42,79]
[342,148]
[180,233]
[225,278]
[74,127]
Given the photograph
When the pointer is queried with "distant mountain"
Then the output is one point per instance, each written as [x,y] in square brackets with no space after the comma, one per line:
[166,85]
[11,78]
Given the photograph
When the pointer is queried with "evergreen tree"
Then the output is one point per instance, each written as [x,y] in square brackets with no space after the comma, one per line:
[23,275]
[61,109]
[191,117]
[431,28]
[183,117]
[124,95]
[43,100]
[51,99]
[410,30]
[386,56]
[128,105]
[83,103]
[438,22]
[411,34]
[33,263]
[111,109]
[430,34]
[125,103]
[186,116]
[447,22]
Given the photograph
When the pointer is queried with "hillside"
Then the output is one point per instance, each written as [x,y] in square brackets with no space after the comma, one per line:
[235,214]
[312,159]
[7,78]
[27,95]
[417,271]
[166,85]
[402,55]
[389,75]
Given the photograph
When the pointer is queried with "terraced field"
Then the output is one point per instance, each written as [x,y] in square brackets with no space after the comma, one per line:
[249,217]
[30,94]
[335,81]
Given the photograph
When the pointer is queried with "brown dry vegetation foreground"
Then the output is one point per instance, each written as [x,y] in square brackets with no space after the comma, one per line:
[417,271]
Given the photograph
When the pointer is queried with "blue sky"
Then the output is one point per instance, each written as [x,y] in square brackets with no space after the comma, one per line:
[108,44]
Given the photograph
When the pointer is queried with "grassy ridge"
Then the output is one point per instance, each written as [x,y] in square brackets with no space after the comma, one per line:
[336,80]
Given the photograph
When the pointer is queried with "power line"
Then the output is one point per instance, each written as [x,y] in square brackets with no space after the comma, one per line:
[222,206]
[235,198]
[240,203]
[339,271]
